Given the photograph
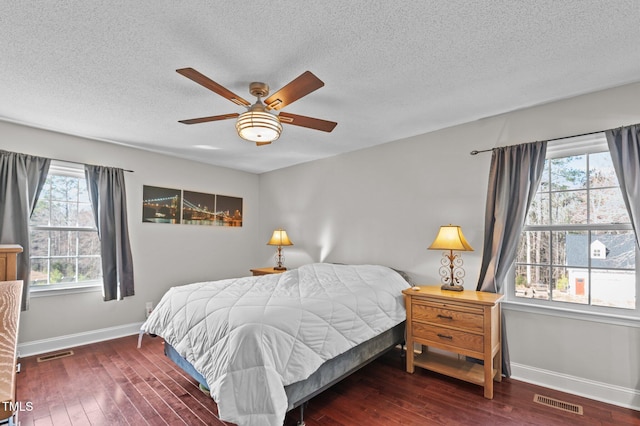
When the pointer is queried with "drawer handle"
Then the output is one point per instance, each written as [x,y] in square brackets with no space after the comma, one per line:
[444,336]
[445,317]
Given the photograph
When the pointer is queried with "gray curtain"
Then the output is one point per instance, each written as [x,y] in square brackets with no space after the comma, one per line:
[21,180]
[109,201]
[624,145]
[513,181]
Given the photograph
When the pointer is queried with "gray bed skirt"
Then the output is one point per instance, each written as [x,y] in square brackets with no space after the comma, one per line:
[329,373]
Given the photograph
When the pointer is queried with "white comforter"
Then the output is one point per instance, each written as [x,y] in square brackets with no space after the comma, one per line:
[250,337]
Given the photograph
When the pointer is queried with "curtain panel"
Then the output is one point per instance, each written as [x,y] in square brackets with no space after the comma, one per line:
[624,146]
[514,177]
[108,199]
[22,177]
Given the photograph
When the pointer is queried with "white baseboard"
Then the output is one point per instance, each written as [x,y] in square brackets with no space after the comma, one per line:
[38,347]
[603,392]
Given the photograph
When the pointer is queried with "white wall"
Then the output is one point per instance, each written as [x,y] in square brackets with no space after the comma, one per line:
[385,204]
[164,255]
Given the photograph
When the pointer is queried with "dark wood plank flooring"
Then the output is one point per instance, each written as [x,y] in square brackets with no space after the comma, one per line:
[115,383]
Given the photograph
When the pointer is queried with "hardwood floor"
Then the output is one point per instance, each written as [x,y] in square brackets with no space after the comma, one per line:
[115,383]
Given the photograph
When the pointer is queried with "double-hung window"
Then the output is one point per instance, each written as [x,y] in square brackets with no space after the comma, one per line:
[578,248]
[65,249]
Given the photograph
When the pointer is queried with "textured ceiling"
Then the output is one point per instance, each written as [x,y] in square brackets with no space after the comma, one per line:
[106,69]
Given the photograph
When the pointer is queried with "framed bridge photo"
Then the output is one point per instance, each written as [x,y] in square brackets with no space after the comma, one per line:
[198,208]
[229,210]
[167,205]
[161,205]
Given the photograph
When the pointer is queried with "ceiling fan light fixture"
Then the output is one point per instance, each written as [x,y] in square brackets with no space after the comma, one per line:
[258,126]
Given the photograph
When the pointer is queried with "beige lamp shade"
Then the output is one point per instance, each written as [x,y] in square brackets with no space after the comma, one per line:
[280,238]
[450,237]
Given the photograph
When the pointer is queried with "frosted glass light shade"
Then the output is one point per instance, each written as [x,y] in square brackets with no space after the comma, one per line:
[258,126]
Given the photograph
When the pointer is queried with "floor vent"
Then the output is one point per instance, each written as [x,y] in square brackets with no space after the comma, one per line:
[556,403]
[57,355]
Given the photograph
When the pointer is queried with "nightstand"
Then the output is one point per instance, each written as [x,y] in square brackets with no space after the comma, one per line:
[265,271]
[465,324]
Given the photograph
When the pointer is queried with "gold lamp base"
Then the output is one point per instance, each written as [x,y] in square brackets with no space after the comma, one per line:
[279,268]
[450,287]
[450,238]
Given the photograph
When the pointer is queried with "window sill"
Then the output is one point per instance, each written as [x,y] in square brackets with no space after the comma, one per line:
[61,291]
[623,320]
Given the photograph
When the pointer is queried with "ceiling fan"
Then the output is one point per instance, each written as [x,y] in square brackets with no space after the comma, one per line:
[258,124]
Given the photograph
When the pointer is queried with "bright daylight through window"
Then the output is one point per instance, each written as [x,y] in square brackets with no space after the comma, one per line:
[65,250]
[578,246]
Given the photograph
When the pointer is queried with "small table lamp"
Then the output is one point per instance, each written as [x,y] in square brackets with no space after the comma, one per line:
[279,238]
[450,238]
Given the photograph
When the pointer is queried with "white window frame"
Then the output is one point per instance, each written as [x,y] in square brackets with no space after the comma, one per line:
[61,168]
[581,145]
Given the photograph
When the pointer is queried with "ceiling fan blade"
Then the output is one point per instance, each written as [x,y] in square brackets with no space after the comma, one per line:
[301,86]
[210,118]
[262,143]
[205,81]
[310,122]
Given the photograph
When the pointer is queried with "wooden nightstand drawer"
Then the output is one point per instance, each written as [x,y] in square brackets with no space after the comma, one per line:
[450,317]
[447,337]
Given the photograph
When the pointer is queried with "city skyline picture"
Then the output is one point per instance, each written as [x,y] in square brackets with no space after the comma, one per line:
[161,205]
[198,208]
[231,209]
[175,206]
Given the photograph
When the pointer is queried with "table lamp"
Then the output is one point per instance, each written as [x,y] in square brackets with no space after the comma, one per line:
[450,238]
[279,238]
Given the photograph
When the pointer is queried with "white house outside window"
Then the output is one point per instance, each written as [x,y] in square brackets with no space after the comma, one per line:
[65,249]
[578,248]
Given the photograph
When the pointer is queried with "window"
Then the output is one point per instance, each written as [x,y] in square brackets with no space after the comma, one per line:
[65,249]
[578,248]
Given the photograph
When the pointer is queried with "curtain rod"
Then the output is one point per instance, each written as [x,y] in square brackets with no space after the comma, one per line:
[78,162]
[69,161]
[475,152]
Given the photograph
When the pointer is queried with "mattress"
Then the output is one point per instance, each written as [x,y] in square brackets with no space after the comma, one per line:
[251,337]
[329,373]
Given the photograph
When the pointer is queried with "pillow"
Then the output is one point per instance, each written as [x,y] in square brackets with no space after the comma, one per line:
[404,275]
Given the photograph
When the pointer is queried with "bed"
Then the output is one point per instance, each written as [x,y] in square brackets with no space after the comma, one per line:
[266,344]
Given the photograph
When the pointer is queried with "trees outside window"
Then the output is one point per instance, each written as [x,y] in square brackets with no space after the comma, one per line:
[65,250]
[578,246]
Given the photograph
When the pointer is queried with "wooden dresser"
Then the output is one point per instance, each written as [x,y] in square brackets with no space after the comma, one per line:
[9,261]
[10,297]
[465,324]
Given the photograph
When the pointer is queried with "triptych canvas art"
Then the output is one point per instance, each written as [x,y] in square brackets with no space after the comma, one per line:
[167,205]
